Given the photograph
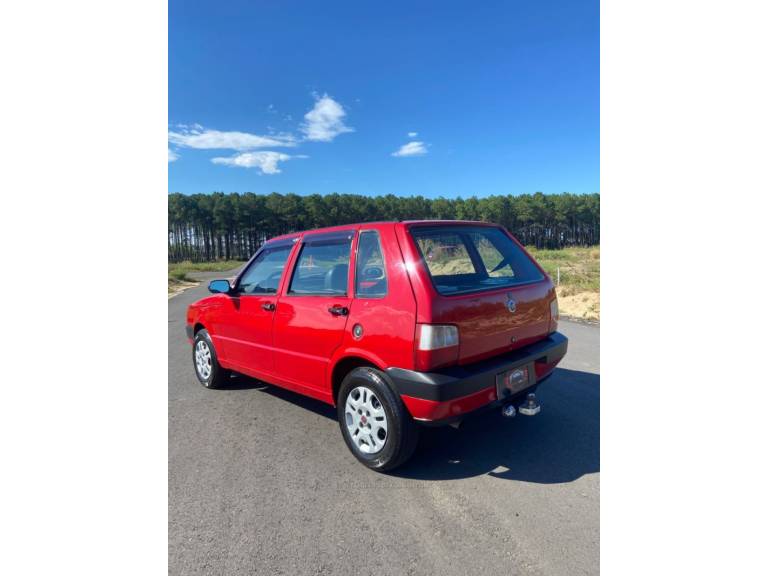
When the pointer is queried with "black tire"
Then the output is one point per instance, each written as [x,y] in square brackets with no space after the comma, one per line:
[217,375]
[402,434]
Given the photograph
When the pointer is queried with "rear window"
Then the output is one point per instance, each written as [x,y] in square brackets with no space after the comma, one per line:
[467,259]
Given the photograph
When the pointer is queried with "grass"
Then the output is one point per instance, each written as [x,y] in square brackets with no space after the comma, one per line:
[579,267]
[579,290]
[180,269]
[177,271]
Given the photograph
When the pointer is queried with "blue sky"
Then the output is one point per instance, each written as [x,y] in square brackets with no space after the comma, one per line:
[432,98]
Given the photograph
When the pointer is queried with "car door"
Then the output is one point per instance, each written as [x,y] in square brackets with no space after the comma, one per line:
[248,331]
[312,312]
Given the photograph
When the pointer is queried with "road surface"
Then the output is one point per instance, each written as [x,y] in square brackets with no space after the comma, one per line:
[261,482]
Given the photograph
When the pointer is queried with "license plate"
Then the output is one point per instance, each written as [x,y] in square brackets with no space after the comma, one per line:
[513,381]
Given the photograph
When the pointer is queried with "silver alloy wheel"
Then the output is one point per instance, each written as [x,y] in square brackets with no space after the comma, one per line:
[366,420]
[203,359]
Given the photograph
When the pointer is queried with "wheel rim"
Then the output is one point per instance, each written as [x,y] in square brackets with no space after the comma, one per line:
[203,360]
[366,420]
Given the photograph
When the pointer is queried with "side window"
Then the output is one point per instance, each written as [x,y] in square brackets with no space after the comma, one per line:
[263,275]
[322,268]
[371,272]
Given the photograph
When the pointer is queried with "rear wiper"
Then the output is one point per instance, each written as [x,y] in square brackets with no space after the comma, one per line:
[500,265]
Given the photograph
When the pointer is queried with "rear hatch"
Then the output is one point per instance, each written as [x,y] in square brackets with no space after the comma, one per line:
[485,284]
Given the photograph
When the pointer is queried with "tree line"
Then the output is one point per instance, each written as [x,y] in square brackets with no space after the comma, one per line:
[203,227]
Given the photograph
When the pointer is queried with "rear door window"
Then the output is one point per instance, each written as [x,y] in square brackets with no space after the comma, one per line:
[371,272]
[322,268]
[469,259]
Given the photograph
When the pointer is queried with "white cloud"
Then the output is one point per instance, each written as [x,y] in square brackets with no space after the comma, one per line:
[412,134]
[411,149]
[205,139]
[325,121]
[265,161]
[172,156]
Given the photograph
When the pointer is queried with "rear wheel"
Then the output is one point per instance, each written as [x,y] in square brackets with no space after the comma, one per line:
[207,367]
[375,424]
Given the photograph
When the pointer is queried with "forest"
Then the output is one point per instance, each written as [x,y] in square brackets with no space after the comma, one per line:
[206,227]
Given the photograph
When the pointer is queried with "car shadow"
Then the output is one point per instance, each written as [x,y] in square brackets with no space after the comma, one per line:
[560,444]
[242,382]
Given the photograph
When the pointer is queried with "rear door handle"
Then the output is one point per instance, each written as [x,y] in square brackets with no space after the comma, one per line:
[338,310]
[268,306]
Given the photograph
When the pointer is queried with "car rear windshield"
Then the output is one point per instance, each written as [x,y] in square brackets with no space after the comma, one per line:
[469,259]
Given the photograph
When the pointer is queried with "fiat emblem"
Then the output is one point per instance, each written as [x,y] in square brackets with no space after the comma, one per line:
[511,305]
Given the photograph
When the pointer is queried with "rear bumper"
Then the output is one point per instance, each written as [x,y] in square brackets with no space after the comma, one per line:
[446,394]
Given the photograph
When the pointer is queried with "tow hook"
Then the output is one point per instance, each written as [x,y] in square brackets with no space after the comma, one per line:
[530,407]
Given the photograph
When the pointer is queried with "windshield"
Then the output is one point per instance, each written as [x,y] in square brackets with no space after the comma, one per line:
[468,259]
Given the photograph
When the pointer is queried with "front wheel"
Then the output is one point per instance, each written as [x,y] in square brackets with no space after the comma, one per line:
[374,422]
[207,367]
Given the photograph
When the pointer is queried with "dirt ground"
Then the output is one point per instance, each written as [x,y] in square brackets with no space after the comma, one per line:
[581,305]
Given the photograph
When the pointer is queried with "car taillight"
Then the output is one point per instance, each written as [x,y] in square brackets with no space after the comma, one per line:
[432,337]
[436,346]
[554,315]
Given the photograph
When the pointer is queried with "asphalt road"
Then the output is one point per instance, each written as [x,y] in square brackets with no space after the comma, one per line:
[261,482]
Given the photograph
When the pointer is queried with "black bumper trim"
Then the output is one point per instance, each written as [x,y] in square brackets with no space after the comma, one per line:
[458,381]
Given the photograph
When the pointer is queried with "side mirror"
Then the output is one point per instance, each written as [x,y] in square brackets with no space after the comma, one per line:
[219,287]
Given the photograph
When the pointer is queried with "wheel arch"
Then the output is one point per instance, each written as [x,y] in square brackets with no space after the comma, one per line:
[345,365]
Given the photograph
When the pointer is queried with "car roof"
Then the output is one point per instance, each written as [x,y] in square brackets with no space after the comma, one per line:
[378,225]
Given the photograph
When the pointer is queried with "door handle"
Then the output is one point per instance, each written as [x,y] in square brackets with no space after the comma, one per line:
[268,306]
[338,310]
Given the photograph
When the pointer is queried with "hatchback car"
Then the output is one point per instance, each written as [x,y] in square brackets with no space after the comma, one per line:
[396,324]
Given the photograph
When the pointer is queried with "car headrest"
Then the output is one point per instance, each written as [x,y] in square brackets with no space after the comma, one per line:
[336,278]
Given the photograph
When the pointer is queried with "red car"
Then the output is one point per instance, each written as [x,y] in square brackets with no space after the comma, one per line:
[397,324]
